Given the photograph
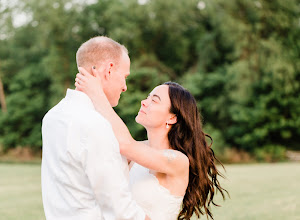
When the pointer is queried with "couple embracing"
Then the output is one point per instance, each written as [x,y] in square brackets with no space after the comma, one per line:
[92,168]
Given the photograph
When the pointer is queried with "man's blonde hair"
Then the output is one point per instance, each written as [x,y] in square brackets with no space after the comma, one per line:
[99,49]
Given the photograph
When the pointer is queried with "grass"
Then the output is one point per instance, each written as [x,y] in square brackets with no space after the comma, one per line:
[20,192]
[261,191]
[258,191]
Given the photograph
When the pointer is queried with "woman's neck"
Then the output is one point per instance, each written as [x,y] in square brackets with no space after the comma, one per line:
[158,138]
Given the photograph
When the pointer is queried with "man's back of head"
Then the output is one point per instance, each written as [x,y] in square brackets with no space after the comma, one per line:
[97,50]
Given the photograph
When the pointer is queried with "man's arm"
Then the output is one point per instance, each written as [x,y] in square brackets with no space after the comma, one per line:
[103,165]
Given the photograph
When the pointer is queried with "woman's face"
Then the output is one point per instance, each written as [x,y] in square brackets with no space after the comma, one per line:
[155,110]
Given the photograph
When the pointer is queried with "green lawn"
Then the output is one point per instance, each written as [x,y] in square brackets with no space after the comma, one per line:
[260,191]
[20,192]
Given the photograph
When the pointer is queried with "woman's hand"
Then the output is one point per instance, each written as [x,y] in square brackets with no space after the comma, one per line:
[90,84]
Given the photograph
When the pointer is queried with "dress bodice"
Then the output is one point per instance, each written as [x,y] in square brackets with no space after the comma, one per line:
[157,201]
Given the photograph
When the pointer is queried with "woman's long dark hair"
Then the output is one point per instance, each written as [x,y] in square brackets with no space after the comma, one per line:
[188,137]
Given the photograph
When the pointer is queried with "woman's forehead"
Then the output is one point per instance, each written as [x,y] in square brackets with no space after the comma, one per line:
[162,91]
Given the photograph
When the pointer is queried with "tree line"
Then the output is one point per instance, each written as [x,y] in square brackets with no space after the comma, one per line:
[239,58]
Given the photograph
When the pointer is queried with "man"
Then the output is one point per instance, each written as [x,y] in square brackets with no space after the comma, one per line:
[83,173]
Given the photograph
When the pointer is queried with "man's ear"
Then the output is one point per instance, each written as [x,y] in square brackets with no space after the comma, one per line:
[172,120]
[108,69]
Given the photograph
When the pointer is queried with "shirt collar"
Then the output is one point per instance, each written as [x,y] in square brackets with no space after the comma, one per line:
[80,97]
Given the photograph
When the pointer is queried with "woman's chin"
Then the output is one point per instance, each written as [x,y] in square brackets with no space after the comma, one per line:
[138,120]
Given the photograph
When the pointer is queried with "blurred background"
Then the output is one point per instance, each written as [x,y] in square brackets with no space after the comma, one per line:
[239,58]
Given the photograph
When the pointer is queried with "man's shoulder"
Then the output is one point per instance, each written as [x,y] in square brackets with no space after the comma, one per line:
[52,112]
[81,116]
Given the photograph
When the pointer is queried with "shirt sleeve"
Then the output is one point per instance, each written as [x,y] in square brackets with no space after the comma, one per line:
[103,166]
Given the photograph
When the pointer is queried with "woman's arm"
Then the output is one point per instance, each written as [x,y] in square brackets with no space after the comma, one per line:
[165,161]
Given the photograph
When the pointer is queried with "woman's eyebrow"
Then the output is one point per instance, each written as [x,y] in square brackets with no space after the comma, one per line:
[157,97]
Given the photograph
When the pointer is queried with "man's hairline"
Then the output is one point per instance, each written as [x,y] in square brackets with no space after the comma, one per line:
[117,62]
[123,49]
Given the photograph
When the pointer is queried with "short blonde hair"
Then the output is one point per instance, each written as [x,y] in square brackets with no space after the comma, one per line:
[99,49]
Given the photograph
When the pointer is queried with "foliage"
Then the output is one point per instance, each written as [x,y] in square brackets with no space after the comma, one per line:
[239,58]
[20,125]
[270,153]
[248,77]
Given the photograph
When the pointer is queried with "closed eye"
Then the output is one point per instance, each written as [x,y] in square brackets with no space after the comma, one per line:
[156,97]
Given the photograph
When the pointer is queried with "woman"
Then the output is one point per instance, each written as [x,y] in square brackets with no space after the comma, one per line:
[174,174]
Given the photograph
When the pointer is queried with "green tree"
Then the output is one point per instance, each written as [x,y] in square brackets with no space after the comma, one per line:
[239,58]
[248,72]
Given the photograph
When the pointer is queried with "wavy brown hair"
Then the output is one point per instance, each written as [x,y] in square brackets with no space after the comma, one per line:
[188,137]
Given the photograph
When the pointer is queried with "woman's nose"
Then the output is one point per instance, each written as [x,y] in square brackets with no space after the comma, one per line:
[144,103]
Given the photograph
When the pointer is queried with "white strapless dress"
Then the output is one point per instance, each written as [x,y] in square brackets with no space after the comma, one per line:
[157,201]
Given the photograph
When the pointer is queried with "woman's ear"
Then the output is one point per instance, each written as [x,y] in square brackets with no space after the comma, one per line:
[172,120]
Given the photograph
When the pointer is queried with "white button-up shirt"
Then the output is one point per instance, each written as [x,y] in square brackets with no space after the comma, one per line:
[84,176]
